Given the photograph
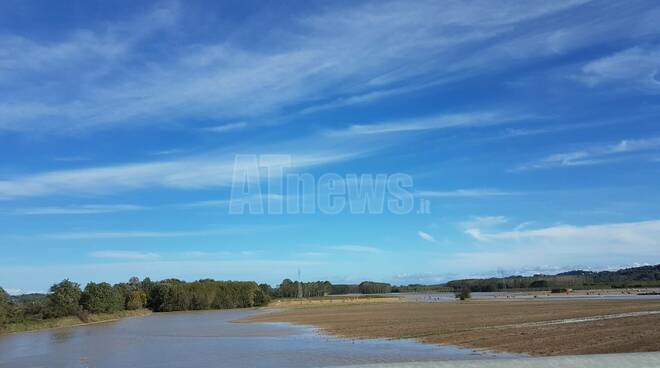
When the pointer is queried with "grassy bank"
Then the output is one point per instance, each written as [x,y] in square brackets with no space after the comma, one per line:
[70,321]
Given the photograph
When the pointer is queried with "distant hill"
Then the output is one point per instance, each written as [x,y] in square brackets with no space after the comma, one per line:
[645,276]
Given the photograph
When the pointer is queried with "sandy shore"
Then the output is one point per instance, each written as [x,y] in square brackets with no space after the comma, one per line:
[548,327]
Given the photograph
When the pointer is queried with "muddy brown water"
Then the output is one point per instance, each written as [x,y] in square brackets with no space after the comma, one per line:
[208,339]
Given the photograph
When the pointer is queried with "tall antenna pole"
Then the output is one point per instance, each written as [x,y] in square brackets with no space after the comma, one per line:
[300,288]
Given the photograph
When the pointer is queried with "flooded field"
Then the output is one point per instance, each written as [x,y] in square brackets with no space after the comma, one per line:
[541,326]
[208,339]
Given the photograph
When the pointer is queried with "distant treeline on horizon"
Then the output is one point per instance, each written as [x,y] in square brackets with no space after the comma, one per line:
[68,299]
[636,277]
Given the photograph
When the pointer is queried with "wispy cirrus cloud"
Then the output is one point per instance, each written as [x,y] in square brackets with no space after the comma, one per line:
[350,54]
[476,224]
[138,234]
[197,172]
[126,234]
[594,155]
[88,209]
[426,236]
[355,248]
[464,193]
[125,255]
[644,233]
[227,127]
[637,67]
[442,121]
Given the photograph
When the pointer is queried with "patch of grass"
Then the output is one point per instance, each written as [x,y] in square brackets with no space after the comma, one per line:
[70,321]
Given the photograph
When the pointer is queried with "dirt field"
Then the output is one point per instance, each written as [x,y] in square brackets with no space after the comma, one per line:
[534,327]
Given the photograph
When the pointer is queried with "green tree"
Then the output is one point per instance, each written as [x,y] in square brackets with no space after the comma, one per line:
[370,287]
[5,306]
[63,300]
[101,298]
[136,300]
[465,293]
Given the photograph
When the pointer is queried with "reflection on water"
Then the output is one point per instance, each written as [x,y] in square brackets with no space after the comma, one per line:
[206,339]
[62,336]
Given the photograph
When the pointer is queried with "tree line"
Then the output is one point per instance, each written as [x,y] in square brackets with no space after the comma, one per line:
[67,298]
[645,276]
[292,289]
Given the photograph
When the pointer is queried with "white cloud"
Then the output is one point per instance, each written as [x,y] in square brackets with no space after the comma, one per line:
[125,234]
[635,67]
[227,127]
[485,221]
[355,248]
[77,210]
[464,193]
[474,226]
[124,255]
[426,236]
[312,254]
[595,155]
[152,234]
[559,247]
[642,233]
[212,170]
[433,122]
[353,55]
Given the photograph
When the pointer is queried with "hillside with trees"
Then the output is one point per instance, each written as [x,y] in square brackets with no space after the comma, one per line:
[646,276]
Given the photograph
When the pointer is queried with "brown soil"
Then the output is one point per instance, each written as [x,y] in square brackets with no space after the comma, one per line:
[493,325]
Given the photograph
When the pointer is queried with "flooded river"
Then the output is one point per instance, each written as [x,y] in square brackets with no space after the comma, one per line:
[207,339]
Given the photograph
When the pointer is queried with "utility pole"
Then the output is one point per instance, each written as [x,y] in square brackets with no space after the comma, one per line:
[501,272]
[300,288]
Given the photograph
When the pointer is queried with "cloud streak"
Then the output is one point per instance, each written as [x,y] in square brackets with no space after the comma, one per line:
[444,121]
[637,67]
[125,255]
[464,193]
[594,155]
[615,237]
[426,236]
[356,249]
[349,55]
[199,172]
[90,209]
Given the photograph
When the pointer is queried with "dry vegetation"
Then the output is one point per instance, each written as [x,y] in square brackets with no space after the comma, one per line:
[334,300]
[493,325]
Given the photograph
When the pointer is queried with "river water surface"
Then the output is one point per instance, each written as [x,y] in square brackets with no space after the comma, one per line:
[207,339]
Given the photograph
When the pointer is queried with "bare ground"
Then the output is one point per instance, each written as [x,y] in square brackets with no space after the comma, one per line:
[532,327]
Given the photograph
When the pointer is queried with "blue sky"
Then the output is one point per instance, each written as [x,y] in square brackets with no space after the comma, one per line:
[531,128]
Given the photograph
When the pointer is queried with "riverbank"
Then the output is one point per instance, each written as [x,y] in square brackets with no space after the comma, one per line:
[549,327]
[70,321]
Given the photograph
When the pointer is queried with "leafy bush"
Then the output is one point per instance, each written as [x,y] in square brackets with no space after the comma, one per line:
[63,300]
[136,300]
[101,298]
[5,304]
